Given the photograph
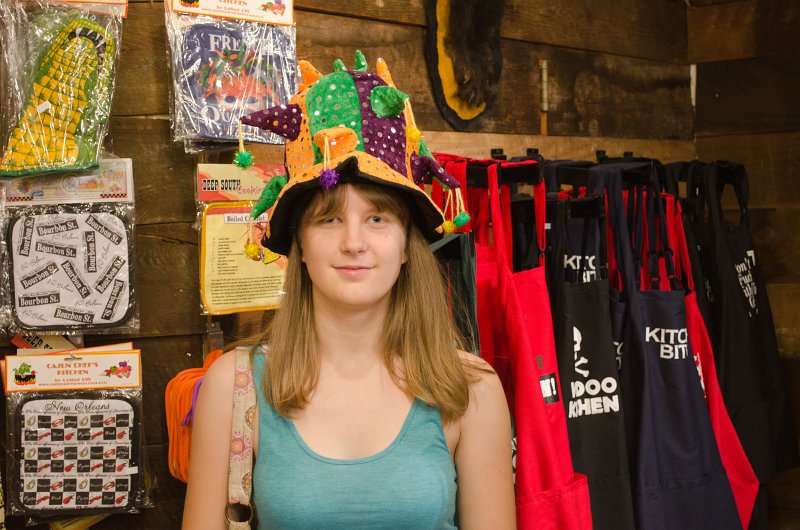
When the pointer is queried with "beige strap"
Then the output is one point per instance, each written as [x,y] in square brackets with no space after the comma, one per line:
[239,512]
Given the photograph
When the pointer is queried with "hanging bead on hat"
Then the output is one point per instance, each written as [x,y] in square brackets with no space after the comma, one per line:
[452,205]
[462,217]
[328,177]
[243,157]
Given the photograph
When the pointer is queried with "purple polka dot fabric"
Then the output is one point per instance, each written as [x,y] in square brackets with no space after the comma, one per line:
[425,167]
[284,120]
[384,138]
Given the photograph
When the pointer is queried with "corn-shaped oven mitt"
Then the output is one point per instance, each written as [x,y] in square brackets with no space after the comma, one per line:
[68,105]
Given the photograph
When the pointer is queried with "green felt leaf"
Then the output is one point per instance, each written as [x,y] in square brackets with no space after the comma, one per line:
[387,101]
[361,61]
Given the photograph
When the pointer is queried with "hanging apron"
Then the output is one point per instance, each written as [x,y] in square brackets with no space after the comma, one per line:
[741,476]
[588,368]
[494,345]
[456,255]
[677,475]
[693,211]
[747,356]
[550,495]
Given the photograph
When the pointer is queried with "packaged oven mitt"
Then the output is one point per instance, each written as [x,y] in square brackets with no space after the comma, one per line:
[68,101]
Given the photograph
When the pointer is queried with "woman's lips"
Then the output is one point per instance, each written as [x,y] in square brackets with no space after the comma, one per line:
[352,271]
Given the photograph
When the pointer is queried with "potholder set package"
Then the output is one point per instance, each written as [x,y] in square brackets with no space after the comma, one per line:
[71,266]
[223,70]
[74,434]
[236,273]
[59,60]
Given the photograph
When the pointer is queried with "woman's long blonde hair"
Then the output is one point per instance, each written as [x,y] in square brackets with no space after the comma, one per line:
[419,330]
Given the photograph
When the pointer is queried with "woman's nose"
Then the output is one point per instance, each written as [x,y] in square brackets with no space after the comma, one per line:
[353,237]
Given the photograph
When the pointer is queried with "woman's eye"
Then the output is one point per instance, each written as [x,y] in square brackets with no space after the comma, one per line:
[377,219]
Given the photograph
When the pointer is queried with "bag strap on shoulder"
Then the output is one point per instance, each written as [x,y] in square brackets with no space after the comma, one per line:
[239,512]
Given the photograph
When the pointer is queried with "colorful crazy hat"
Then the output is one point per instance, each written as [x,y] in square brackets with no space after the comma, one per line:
[344,126]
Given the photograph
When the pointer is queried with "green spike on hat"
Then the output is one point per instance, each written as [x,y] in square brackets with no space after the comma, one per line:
[387,101]
[269,195]
[338,66]
[361,61]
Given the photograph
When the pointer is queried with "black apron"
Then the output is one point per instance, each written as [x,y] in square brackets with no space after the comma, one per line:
[746,351]
[456,255]
[676,471]
[697,233]
[589,375]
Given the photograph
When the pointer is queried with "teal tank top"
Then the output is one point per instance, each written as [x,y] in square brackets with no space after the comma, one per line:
[410,484]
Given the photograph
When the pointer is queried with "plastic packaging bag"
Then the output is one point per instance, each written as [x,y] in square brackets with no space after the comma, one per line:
[231,280]
[225,69]
[77,450]
[59,60]
[70,267]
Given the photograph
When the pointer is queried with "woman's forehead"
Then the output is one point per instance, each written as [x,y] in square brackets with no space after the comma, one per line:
[360,197]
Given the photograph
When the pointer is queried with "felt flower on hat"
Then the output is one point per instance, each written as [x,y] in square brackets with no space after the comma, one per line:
[344,126]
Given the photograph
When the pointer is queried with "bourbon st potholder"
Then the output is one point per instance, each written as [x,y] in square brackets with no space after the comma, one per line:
[70,270]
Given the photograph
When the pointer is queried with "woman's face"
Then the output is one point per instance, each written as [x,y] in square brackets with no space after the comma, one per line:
[353,257]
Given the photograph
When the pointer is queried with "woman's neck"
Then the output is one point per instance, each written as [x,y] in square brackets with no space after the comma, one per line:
[345,337]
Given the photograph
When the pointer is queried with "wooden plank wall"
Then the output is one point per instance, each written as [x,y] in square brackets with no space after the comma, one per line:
[748,78]
[618,80]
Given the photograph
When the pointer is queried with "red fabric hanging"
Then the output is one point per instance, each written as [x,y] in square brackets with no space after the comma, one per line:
[549,493]
[744,482]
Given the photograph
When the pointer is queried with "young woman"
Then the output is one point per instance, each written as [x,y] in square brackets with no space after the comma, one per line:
[369,416]
[374,439]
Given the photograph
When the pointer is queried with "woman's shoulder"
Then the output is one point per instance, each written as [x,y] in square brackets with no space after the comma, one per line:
[485,389]
[479,371]
[220,373]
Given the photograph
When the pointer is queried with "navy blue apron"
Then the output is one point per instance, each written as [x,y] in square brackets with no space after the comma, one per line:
[676,471]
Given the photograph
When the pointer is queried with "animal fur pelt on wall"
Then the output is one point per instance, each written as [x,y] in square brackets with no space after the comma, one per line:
[463,55]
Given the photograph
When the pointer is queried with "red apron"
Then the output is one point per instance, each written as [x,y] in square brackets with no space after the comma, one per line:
[550,495]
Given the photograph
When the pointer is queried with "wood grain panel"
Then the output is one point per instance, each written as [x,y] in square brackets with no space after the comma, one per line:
[737,30]
[783,519]
[556,147]
[654,29]
[776,234]
[168,284]
[784,490]
[163,173]
[772,161]
[692,3]
[143,69]
[783,299]
[590,94]
[748,95]
[594,94]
